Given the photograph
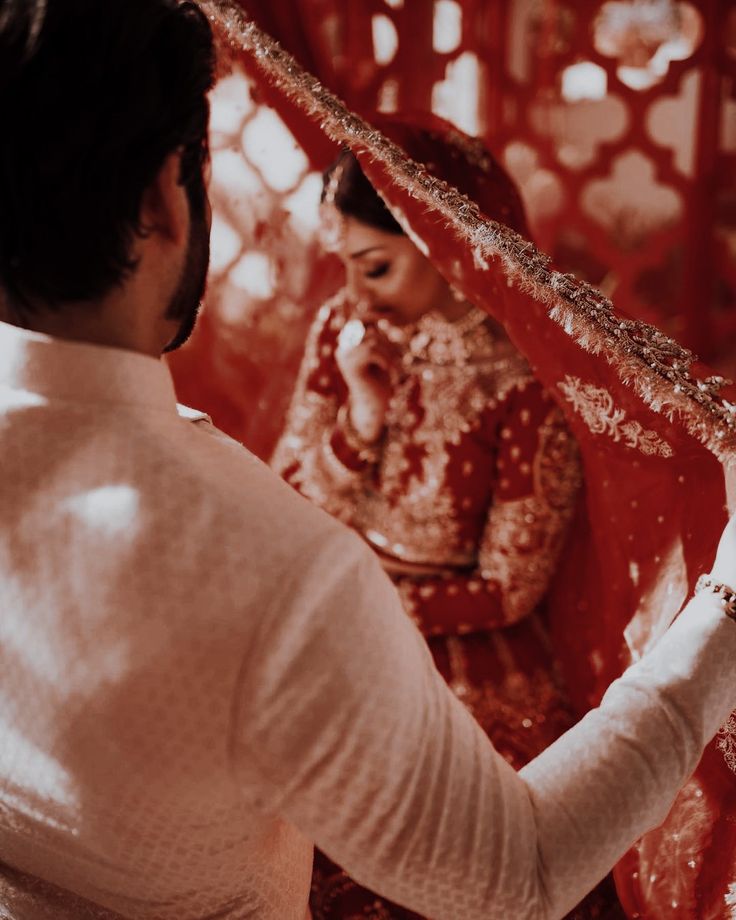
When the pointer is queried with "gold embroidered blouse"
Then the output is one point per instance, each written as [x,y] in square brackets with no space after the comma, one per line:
[476,477]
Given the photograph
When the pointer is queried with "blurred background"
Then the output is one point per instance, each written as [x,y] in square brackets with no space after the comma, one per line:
[616,119]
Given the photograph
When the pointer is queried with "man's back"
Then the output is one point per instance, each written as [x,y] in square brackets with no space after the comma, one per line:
[140,555]
[195,663]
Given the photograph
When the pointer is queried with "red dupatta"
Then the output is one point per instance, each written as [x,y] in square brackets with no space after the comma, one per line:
[656,430]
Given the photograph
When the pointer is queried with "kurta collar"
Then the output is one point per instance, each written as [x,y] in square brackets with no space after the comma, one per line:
[81,372]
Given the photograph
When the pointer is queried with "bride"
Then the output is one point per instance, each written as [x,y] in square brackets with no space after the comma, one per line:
[417,422]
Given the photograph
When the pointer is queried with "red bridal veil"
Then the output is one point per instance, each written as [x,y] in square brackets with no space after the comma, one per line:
[657,434]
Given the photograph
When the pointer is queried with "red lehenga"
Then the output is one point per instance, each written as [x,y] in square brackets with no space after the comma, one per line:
[657,438]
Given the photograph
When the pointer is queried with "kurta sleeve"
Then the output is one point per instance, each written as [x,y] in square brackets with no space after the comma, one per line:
[343,727]
[536,484]
[313,454]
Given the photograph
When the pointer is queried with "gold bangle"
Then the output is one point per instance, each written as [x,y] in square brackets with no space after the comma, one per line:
[724,593]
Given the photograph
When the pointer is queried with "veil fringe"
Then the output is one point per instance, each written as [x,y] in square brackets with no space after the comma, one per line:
[657,433]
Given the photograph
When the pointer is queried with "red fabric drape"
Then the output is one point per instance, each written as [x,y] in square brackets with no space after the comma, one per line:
[656,497]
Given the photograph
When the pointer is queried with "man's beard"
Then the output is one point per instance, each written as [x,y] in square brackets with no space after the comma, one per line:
[184,305]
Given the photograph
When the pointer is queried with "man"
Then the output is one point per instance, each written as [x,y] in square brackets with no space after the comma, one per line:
[202,675]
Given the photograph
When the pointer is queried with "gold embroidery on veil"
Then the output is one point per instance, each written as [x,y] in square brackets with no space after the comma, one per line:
[596,407]
[727,744]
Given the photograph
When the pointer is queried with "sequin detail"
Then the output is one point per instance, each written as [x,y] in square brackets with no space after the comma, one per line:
[414,515]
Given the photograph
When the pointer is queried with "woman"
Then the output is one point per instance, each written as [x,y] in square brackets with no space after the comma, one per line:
[416,422]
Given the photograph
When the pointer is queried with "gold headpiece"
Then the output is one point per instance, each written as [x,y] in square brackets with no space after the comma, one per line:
[332,221]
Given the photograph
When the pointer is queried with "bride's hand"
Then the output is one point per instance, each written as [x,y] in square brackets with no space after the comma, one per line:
[724,568]
[366,361]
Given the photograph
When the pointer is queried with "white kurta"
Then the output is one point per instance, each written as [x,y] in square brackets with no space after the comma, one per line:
[201,674]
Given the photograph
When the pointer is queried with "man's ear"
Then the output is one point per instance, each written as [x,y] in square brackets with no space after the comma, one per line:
[165,207]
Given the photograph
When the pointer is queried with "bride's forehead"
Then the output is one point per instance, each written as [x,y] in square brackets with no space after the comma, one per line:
[360,238]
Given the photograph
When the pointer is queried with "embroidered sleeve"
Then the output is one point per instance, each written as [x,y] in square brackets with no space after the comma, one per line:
[313,455]
[537,481]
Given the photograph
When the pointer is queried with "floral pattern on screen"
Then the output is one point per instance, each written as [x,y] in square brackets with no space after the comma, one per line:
[616,118]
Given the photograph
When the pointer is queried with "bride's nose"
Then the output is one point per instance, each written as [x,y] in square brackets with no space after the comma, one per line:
[357,287]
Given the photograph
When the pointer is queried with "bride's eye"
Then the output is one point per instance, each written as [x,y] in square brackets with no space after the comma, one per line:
[379,271]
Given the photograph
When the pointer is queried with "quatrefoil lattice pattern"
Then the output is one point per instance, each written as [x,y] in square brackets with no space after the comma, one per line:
[616,118]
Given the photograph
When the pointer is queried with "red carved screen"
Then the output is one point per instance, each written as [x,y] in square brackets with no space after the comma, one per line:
[617,119]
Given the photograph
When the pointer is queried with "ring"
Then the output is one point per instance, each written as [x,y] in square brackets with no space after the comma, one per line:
[351,335]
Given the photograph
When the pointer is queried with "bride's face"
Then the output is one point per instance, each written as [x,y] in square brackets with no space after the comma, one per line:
[388,276]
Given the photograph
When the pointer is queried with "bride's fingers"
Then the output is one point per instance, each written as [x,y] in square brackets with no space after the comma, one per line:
[372,351]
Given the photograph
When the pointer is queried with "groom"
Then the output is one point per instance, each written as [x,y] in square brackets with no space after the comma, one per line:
[201,674]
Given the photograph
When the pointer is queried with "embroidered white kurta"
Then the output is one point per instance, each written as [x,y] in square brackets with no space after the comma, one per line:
[201,674]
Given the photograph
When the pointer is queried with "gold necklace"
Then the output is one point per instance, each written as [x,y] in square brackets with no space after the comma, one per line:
[440,341]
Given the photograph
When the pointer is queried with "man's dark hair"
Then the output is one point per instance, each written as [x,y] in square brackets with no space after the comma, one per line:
[94,95]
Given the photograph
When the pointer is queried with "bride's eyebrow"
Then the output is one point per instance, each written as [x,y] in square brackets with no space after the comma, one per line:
[364,252]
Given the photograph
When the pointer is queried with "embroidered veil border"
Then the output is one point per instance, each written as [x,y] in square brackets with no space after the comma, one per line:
[657,432]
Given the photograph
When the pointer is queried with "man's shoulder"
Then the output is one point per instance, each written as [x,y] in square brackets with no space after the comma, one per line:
[245,498]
